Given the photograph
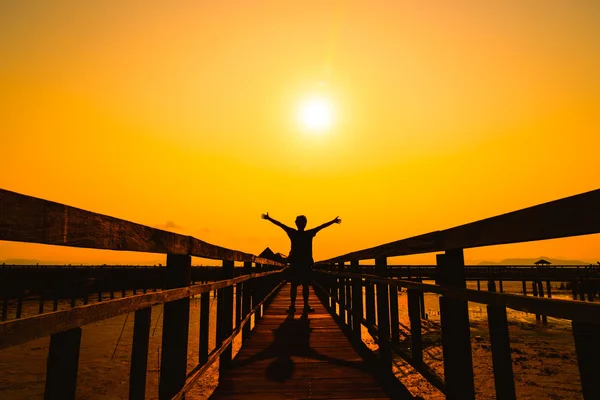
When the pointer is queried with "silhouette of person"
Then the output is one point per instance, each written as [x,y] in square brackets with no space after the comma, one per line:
[300,258]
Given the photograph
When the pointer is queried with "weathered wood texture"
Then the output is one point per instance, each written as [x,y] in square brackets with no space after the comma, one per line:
[29,219]
[298,356]
[571,216]
[23,330]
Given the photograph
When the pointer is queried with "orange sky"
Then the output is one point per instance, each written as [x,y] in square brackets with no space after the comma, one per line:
[182,115]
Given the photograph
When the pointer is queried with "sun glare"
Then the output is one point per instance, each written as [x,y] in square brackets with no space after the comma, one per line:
[316,114]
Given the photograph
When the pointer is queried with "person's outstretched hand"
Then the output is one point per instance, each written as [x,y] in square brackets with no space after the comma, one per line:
[265,216]
[337,220]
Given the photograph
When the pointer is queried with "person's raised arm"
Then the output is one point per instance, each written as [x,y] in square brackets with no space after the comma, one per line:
[279,224]
[336,220]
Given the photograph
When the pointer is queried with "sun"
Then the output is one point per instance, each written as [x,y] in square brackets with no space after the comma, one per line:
[316,114]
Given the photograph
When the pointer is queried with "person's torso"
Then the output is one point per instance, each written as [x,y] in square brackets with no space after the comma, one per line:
[301,251]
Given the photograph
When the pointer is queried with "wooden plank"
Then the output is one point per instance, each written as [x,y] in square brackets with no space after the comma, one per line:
[501,354]
[139,354]
[176,316]
[570,216]
[456,334]
[23,330]
[226,315]
[246,299]
[357,301]
[33,220]
[204,327]
[295,362]
[341,289]
[415,326]
[383,317]
[62,365]
[587,346]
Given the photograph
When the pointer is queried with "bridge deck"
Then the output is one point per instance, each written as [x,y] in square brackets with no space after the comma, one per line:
[301,356]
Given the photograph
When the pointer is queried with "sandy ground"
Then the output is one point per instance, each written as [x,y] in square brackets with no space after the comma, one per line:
[544,360]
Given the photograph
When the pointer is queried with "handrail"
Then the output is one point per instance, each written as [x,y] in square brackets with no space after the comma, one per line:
[33,220]
[19,331]
[567,309]
[571,216]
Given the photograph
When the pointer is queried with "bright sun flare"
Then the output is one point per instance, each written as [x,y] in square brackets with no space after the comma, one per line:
[316,114]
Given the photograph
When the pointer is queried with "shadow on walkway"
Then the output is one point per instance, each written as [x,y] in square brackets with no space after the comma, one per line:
[292,338]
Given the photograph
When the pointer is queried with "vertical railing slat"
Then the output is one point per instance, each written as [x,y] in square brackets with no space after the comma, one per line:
[357,300]
[226,315]
[176,316]
[62,365]
[139,354]
[414,316]
[246,299]
[383,316]
[501,355]
[587,346]
[456,333]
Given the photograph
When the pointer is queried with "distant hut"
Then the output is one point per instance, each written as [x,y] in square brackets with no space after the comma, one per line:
[270,255]
[542,262]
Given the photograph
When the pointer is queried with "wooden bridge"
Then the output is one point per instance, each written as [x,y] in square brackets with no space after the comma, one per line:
[318,355]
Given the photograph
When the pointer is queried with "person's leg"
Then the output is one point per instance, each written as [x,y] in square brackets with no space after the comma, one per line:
[305,294]
[293,292]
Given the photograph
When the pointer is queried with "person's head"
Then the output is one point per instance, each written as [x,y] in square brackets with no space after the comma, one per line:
[301,222]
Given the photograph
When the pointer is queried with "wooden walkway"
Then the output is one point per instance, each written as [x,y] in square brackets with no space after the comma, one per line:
[300,356]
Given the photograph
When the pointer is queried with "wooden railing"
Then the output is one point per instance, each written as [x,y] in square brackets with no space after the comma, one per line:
[343,291]
[33,220]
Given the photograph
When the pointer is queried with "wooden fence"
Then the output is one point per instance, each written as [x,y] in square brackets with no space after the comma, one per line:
[28,219]
[343,284]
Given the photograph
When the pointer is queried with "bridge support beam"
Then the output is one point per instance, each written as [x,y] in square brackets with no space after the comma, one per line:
[173,365]
[456,334]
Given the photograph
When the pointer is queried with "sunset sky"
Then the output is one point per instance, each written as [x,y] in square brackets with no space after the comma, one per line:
[183,115]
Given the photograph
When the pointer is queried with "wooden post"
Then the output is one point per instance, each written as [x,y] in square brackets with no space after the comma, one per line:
[501,286]
[139,354]
[587,347]
[342,293]
[574,289]
[478,284]
[246,299]
[227,315]
[394,317]
[238,304]
[204,327]
[549,289]
[524,288]
[4,306]
[257,293]
[348,288]
[357,300]
[535,294]
[501,355]
[581,287]
[541,292]
[422,301]
[20,303]
[41,305]
[383,316]
[111,284]
[456,334]
[62,365]
[173,365]
[415,325]
[370,302]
